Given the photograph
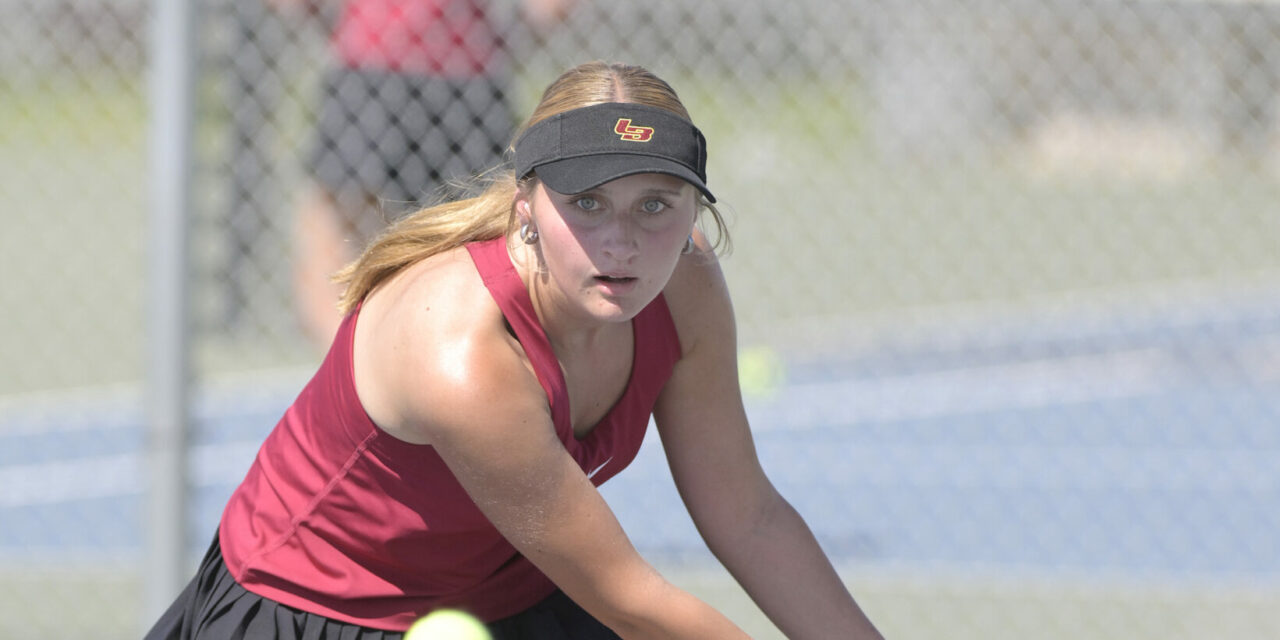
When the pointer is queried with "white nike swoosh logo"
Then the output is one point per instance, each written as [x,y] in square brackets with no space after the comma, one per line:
[597,469]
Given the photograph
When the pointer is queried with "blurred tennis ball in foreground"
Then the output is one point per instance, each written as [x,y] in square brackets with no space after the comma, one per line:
[447,624]
[760,372]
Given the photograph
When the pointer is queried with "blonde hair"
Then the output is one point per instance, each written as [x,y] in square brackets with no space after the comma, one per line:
[491,213]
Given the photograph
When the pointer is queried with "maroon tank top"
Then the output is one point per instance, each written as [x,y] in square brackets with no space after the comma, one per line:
[338,518]
[452,38]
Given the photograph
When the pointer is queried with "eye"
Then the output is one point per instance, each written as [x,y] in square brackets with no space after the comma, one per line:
[587,203]
[653,206]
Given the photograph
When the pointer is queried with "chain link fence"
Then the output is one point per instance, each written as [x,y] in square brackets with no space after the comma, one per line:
[1007,275]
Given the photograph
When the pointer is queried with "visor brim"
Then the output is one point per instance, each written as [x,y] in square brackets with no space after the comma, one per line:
[576,175]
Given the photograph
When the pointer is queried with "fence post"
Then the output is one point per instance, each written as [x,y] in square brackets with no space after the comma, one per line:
[172,49]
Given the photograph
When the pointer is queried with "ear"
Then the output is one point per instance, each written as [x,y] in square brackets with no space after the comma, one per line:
[522,205]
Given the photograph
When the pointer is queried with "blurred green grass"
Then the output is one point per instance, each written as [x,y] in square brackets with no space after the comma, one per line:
[73,187]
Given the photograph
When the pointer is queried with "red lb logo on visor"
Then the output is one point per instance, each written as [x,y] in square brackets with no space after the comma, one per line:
[630,133]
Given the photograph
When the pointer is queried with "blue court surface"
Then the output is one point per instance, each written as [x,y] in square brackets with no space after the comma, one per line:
[1148,448]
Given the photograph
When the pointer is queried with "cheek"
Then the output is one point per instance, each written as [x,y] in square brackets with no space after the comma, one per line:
[565,249]
[675,232]
[664,246]
[671,241]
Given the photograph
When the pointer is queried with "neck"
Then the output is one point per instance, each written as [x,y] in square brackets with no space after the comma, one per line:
[567,332]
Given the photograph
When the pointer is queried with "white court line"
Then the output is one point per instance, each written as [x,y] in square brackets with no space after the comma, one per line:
[114,476]
[1025,385]
[123,406]
[1009,386]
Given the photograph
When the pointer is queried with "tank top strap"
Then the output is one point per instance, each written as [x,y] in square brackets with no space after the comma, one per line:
[508,290]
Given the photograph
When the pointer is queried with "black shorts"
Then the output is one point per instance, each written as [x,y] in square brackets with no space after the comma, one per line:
[400,137]
[215,607]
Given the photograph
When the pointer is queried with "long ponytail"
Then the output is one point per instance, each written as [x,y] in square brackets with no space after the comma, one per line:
[427,232]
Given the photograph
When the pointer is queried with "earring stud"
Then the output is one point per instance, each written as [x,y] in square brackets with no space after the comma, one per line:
[527,234]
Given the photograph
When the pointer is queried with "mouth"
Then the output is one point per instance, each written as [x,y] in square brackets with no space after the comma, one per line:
[615,279]
[616,285]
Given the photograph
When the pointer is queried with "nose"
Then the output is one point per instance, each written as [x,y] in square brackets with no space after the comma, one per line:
[621,239]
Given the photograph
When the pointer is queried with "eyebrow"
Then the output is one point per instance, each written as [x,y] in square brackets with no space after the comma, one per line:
[660,191]
[600,189]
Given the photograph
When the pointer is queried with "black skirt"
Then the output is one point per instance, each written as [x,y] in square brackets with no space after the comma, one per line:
[215,607]
[401,137]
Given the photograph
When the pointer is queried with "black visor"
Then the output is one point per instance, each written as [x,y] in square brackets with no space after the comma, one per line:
[579,150]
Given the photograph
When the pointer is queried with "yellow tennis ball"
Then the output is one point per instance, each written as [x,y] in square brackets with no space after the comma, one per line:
[760,372]
[448,624]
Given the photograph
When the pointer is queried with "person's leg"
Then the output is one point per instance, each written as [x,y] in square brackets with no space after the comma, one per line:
[328,233]
[340,210]
[446,129]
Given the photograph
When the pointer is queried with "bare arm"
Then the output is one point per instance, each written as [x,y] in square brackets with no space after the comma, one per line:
[542,502]
[754,531]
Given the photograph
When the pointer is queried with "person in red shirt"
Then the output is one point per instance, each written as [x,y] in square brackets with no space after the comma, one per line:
[417,95]
[500,358]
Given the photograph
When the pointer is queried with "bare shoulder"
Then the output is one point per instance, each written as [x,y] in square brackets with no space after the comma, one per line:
[698,297]
[432,350]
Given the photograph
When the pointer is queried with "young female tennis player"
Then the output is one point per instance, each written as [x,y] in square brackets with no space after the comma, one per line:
[501,357]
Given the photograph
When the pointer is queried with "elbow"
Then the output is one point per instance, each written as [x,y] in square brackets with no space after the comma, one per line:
[744,523]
